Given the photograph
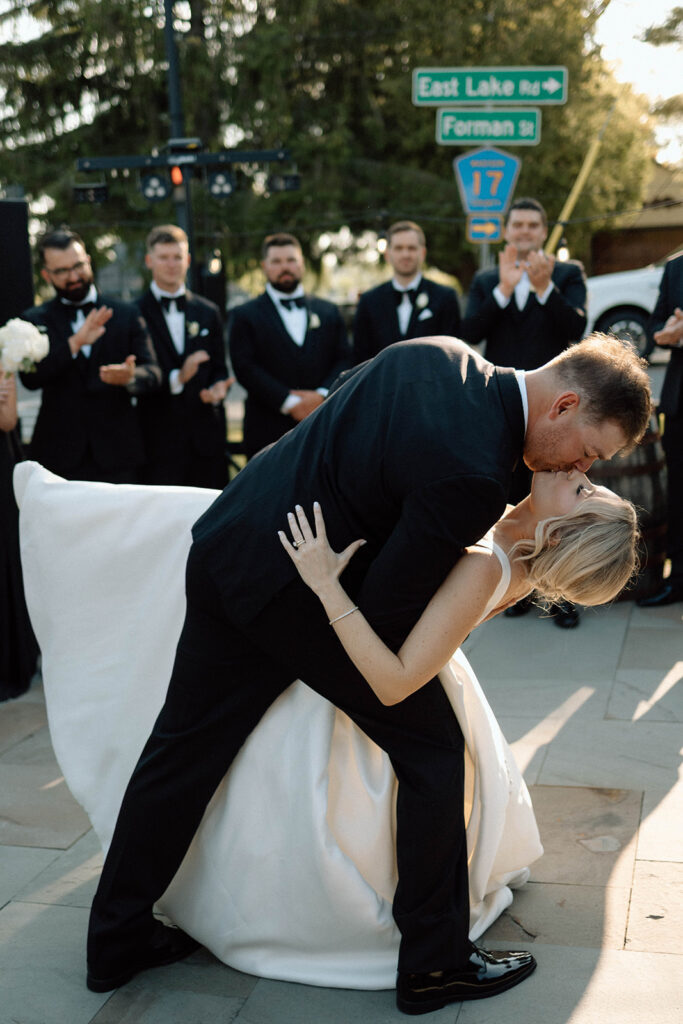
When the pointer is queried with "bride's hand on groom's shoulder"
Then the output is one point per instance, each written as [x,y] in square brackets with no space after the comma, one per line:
[310,550]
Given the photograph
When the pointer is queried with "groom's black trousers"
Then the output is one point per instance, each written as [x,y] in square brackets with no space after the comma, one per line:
[224,678]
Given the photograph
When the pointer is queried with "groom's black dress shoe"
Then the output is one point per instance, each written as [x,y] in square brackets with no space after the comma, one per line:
[165,947]
[669,593]
[486,974]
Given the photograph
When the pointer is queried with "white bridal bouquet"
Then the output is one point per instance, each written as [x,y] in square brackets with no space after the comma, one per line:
[22,345]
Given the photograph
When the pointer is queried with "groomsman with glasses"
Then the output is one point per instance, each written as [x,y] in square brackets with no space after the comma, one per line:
[100,360]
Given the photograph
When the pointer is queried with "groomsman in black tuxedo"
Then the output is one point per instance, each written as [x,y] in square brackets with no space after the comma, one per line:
[100,357]
[183,423]
[529,309]
[408,306]
[666,327]
[286,347]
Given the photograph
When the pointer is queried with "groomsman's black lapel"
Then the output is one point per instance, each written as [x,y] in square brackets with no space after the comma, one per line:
[153,313]
[390,313]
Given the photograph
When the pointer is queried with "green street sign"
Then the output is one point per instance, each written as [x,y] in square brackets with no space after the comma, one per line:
[436,86]
[456,127]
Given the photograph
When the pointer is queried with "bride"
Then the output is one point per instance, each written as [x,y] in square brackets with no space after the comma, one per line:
[309,803]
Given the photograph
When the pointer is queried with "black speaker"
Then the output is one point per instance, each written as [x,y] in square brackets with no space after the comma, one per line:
[16,273]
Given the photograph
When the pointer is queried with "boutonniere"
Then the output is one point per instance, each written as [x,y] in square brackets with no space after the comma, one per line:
[192,329]
[421,300]
[314,321]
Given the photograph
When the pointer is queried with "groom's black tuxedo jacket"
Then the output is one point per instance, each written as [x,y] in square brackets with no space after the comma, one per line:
[268,363]
[413,453]
[183,423]
[436,311]
[78,412]
[670,296]
[526,338]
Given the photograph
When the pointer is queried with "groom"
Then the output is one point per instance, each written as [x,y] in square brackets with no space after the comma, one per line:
[413,453]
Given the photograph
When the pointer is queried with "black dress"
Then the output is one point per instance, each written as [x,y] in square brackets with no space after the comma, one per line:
[18,647]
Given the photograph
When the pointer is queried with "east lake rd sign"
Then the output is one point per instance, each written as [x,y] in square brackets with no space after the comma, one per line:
[436,86]
[464,127]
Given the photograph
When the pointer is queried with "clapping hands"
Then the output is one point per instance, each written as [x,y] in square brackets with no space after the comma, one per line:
[538,265]
[92,328]
[671,333]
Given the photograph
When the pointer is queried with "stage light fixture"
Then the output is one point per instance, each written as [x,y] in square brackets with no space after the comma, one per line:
[283,182]
[95,193]
[221,184]
[155,187]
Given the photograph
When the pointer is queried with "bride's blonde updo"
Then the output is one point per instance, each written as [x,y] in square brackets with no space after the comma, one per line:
[587,556]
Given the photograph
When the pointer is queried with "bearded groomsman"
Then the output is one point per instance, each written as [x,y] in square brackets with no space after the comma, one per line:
[408,306]
[286,347]
[184,423]
[100,359]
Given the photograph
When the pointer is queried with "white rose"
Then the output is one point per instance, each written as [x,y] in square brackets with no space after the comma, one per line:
[39,346]
[13,354]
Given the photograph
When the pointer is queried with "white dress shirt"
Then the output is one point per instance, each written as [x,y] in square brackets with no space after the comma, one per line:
[521,293]
[404,310]
[175,321]
[296,324]
[79,318]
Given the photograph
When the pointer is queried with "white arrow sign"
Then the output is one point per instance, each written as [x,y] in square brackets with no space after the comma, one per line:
[551,85]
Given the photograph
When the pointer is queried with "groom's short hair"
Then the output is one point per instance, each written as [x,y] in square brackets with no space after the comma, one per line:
[612,381]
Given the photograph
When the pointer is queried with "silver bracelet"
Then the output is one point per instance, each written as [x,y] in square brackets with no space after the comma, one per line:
[350,612]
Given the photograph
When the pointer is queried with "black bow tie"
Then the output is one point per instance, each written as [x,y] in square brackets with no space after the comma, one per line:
[73,307]
[299,302]
[180,302]
[410,292]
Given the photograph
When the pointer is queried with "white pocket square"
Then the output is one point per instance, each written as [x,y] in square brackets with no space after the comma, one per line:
[425,314]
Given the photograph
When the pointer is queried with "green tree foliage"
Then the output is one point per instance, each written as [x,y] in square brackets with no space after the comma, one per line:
[669,33]
[330,80]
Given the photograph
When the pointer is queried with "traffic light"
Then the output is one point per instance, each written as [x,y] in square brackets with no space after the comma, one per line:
[176,175]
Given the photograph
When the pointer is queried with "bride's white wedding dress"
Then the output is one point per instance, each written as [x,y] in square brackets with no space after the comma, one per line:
[292,872]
